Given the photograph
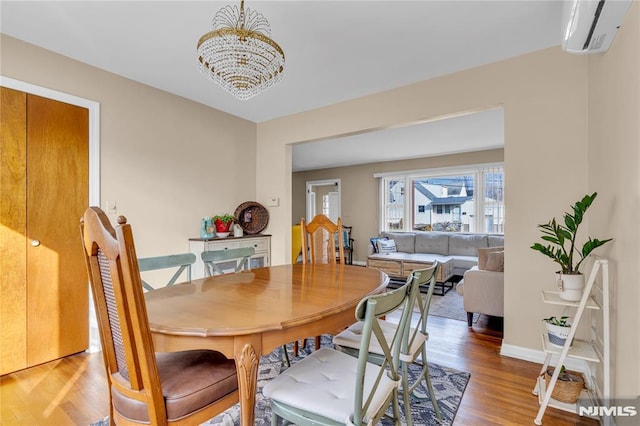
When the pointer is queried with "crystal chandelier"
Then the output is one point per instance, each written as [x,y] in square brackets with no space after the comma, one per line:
[239,53]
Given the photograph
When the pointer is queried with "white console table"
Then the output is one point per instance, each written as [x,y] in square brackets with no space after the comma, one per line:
[260,242]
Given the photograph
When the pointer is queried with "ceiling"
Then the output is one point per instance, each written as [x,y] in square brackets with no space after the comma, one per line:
[335,51]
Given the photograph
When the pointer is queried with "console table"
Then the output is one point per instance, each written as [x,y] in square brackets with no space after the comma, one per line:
[260,242]
[401,265]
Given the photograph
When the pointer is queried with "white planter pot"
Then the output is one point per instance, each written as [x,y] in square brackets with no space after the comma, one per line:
[557,334]
[570,287]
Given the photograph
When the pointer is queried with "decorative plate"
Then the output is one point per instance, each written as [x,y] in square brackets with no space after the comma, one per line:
[252,217]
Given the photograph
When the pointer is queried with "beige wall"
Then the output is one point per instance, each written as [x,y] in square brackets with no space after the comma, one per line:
[165,160]
[571,126]
[544,96]
[613,160]
[550,161]
[360,190]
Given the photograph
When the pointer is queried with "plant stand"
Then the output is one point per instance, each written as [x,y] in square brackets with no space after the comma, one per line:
[596,350]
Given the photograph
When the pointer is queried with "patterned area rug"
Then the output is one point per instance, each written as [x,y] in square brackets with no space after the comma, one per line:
[448,384]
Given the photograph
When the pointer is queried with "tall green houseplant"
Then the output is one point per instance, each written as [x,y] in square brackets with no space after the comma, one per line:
[561,238]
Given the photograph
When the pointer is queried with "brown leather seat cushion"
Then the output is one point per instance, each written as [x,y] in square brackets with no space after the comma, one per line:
[191,380]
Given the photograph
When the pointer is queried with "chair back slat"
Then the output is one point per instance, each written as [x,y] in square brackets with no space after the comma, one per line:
[369,310]
[319,238]
[181,261]
[422,278]
[127,346]
[211,258]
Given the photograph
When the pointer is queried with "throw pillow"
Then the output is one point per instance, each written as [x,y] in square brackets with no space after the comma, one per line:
[374,242]
[386,246]
[495,262]
[483,256]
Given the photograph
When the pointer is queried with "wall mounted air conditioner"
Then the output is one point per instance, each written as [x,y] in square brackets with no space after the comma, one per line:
[589,26]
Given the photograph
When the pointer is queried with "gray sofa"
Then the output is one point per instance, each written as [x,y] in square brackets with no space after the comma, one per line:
[429,245]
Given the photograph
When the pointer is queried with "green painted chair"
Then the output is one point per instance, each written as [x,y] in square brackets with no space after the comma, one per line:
[329,387]
[212,258]
[413,342]
[181,261]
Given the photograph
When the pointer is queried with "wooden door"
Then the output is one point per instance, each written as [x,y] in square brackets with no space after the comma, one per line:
[52,277]
[13,231]
[57,196]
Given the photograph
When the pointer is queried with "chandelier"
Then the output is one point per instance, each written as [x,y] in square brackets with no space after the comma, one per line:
[239,53]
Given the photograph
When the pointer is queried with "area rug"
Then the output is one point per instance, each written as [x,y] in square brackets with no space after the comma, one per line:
[447,306]
[449,386]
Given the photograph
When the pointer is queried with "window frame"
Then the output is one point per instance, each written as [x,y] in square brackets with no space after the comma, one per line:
[478,171]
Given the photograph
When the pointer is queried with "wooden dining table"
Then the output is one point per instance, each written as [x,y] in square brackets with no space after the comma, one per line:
[247,314]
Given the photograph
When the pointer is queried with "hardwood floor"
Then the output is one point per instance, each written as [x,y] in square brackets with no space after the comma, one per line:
[72,390]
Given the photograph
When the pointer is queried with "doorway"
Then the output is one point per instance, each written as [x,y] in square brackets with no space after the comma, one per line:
[323,197]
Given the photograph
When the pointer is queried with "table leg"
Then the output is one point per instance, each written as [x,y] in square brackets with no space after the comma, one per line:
[247,356]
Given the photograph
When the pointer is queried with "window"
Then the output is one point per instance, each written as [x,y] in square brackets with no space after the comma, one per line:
[444,200]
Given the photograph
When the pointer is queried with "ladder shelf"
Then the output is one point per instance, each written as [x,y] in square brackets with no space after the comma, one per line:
[587,351]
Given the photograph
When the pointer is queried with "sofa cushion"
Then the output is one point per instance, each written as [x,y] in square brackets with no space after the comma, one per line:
[495,261]
[463,263]
[483,255]
[495,240]
[432,242]
[405,241]
[466,244]
[386,246]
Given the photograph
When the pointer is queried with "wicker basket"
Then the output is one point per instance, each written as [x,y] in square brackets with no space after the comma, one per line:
[566,390]
[252,217]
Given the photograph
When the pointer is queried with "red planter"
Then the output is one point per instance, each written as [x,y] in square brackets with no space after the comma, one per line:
[222,226]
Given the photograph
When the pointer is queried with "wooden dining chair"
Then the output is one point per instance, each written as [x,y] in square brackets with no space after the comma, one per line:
[173,388]
[181,261]
[329,387]
[347,241]
[318,240]
[213,257]
[413,341]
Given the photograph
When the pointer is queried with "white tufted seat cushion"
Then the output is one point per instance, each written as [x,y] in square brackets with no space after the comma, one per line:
[324,383]
[351,337]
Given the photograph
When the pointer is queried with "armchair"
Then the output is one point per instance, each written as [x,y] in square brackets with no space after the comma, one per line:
[482,292]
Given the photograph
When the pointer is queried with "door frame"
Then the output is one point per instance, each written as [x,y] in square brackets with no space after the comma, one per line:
[94,164]
[310,201]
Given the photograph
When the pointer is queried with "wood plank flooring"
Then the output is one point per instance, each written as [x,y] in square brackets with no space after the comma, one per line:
[72,390]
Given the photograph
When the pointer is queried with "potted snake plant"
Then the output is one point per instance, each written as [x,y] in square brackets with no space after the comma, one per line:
[560,245]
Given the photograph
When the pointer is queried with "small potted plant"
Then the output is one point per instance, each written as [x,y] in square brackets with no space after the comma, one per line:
[558,330]
[557,236]
[223,224]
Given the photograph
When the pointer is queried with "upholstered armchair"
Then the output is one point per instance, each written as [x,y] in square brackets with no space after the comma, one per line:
[482,287]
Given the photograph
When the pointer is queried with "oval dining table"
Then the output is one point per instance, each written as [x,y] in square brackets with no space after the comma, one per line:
[247,314]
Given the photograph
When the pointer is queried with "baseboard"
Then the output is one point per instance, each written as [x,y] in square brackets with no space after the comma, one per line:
[538,356]
[359,263]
